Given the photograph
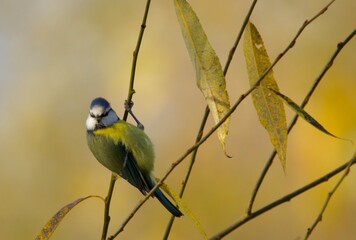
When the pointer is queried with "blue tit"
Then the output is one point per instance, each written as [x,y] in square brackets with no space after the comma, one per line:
[124,149]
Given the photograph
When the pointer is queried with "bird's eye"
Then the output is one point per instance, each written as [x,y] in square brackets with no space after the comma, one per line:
[92,115]
[105,114]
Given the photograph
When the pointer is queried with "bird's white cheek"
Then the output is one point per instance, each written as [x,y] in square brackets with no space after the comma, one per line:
[91,123]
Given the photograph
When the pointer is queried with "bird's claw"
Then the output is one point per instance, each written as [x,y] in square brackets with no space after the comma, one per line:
[128,105]
[140,126]
[128,108]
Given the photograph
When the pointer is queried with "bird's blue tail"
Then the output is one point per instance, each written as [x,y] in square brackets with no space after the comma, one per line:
[167,204]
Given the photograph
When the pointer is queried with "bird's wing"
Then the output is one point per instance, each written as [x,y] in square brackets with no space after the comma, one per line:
[132,173]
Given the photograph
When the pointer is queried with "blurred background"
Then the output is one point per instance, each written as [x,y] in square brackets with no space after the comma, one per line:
[56,56]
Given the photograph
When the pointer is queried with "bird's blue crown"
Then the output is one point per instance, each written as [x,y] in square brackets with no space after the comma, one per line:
[102,102]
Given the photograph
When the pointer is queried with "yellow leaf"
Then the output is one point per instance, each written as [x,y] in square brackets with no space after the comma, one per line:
[269,107]
[209,74]
[183,206]
[53,223]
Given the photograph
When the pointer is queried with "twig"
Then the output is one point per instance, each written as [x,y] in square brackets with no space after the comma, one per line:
[330,194]
[135,56]
[129,99]
[284,199]
[273,154]
[107,207]
[206,115]
[233,49]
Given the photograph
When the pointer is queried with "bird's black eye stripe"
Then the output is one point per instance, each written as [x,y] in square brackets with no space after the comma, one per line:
[105,113]
[92,115]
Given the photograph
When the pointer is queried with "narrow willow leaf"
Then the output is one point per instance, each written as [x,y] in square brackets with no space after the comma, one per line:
[53,223]
[303,114]
[269,108]
[209,74]
[183,206]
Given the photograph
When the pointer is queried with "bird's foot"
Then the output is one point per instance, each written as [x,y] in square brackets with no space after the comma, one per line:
[128,107]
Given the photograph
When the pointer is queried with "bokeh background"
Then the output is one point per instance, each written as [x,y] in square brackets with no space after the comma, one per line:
[56,56]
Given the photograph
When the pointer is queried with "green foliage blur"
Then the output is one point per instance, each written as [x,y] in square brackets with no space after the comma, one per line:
[56,56]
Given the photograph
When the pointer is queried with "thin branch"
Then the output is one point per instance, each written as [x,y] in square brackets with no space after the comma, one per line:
[339,47]
[284,199]
[206,115]
[107,207]
[129,99]
[242,29]
[135,56]
[294,40]
[273,154]
[330,194]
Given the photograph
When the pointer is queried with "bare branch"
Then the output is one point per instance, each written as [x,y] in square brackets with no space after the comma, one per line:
[284,199]
[107,207]
[330,194]
[135,56]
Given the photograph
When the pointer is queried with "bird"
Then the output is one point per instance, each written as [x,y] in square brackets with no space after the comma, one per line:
[124,149]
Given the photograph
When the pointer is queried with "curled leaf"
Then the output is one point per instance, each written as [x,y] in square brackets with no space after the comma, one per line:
[209,74]
[269,107]
[53,223]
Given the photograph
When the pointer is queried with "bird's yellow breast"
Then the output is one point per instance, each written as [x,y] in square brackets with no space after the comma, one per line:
[134,139]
